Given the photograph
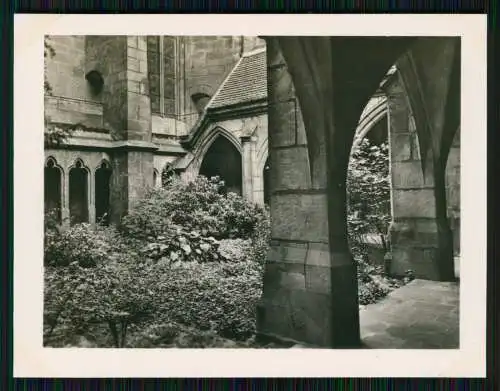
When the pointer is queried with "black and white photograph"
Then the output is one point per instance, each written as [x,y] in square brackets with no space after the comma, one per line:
[288,192]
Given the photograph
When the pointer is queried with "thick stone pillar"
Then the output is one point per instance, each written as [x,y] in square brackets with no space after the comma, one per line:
[453,191]
[414,231]
[248,159]
[310,291]
[122,62]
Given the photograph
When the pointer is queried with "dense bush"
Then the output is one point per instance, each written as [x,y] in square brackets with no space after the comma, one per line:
[159,267]
[220,297]
[200,206]
[114,289]
[84,244]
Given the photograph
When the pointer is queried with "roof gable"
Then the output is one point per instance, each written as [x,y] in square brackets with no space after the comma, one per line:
[247,82]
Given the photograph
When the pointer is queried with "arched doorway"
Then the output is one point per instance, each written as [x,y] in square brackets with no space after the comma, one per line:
[102,181]
[52,188]
[223,160]
[78,194]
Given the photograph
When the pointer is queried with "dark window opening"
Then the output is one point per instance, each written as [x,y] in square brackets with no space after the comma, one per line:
[52,190]
[102,194]
[78,194]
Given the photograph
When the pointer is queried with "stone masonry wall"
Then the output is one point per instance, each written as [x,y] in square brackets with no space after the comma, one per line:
[72,100]
[207,60]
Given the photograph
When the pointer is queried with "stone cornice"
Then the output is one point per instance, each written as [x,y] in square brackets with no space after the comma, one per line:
[125,145]
[247,109]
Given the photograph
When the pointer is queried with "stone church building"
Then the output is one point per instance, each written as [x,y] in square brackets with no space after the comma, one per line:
[151,106]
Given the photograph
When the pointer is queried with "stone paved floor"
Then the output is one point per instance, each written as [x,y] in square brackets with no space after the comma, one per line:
[420,315]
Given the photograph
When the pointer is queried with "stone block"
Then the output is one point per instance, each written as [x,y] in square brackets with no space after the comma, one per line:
[273,320]
[282,124]
[282,85]
[142,43]
[415,147]
[133,64]
[400,147]
[422,262]
[294,252]
[274,55]
[318,279]
[301,136]
[132,41]
[292,280]
[290,169]
[143,66]
[414,203]
[453,158]
[134,86]
[453,197]
[318,254]
[310,317]
[300,217]
[136,76]
[407,174]
[133,52]
[138,125]
[398,117]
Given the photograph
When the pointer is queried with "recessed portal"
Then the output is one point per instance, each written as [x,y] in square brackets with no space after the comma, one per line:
[224,160]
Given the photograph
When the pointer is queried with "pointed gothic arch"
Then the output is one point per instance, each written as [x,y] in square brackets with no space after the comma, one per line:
[53,188]
[223,159]
[79,192]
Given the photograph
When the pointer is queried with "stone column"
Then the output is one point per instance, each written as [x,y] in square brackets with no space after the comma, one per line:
[414,229]
[91,196]
[248,158]
[122,61]
[453,191]
[65,198]
[307,295]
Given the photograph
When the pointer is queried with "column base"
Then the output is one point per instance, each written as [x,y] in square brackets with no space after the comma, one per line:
[416,248]
[308,301]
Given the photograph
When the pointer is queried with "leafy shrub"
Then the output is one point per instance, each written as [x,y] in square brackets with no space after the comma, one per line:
[84,244]
[199,206]
[180,246]
[217,296]
[368,193]
[117,293]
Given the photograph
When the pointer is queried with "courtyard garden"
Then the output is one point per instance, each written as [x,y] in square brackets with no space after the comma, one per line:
[185,267]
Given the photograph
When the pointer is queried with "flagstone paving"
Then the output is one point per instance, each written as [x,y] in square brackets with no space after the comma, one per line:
[420,315]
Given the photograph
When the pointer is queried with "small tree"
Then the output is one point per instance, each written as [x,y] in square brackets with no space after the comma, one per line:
[368,192]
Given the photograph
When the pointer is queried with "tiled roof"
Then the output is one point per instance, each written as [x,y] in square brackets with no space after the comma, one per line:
[245,83]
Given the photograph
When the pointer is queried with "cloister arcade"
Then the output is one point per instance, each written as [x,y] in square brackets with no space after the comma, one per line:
[294,156]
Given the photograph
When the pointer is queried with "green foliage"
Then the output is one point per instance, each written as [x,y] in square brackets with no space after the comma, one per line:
[160,266]
[221,297]
[199,206]
[368,193]
[368,215]
[53,135]
[82,244]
